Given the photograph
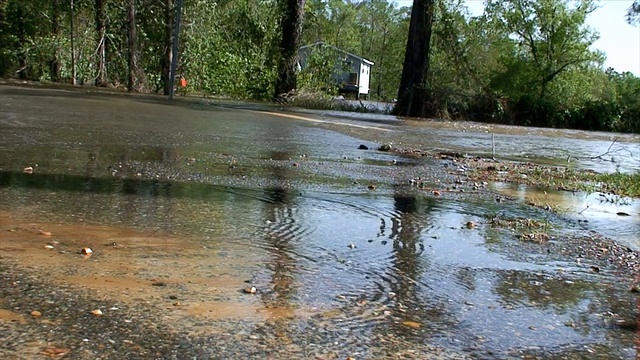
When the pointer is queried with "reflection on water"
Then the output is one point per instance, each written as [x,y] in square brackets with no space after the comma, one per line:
[602,152]
[363,266]
[414,261]
[594,211]
[598,151]
[280,234]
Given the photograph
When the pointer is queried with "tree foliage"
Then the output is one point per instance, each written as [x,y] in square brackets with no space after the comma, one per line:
[528,62]
[550,37]
[633,15]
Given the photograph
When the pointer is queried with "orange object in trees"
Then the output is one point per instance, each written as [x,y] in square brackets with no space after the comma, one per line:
[183,82]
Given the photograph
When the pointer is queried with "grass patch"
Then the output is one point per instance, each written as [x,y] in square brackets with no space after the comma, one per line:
[619,183]
[557,177]
[319,101]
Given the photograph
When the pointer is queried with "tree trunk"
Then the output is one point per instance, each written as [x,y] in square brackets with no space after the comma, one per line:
[168,52]
[131,43]
[73,46]
[381,61]
[23,72]
[413,96]
[291,26]
[101,27]
[54,64]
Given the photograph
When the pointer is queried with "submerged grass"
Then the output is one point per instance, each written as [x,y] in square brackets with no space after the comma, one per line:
[544,176]
[619,183]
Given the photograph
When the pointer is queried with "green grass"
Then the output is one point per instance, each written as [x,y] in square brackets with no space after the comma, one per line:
[619,183]
[622,184]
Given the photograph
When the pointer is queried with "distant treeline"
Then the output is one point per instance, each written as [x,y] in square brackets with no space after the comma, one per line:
[524,62]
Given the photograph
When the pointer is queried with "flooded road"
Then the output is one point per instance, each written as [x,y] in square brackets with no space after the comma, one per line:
[188,206]
[598,151]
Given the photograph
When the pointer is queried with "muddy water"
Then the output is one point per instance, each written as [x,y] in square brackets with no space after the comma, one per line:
[186,205]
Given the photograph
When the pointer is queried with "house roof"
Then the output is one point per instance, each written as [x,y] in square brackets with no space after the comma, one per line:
[322,43]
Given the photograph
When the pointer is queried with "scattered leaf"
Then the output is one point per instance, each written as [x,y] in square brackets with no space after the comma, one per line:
[54,352]
[412,324]
[36,313]
[96,312]
[44,233]
[48,246]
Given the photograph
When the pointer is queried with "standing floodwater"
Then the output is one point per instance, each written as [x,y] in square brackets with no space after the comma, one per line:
[228,233]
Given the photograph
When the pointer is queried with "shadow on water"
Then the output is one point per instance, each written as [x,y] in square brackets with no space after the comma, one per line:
[113,185]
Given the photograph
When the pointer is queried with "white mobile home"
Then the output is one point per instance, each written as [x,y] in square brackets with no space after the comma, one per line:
[352,72]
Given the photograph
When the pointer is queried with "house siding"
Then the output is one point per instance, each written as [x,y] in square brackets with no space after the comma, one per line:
[355,80]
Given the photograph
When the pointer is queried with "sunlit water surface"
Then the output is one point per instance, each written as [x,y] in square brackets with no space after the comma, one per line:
[284,206]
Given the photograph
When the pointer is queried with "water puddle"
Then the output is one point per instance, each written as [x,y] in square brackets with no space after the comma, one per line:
[348,263]
[612,216]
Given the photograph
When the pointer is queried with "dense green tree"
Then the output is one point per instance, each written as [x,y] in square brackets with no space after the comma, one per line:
[373,29]
[383,31]
[54,63]
[101,28]
[551,36]
[521,62]
[132,46]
